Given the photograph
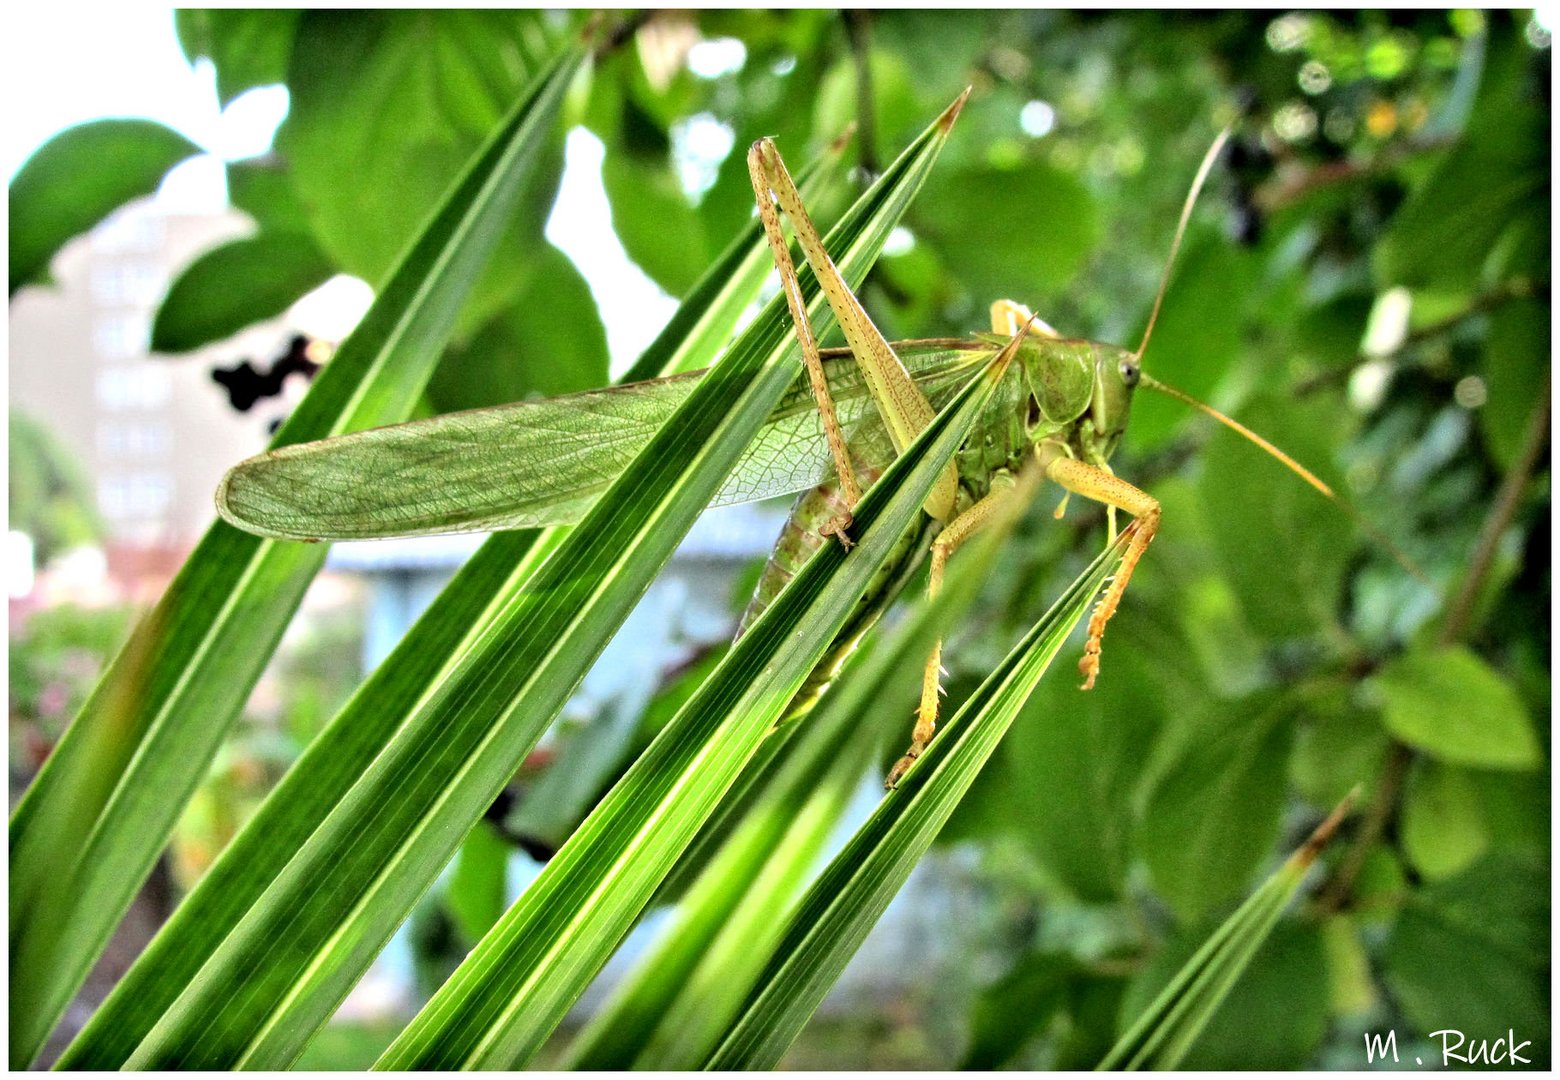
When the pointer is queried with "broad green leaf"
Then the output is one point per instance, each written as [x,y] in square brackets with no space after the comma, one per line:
[1012,1010]
[477,889]
[386,106]
[289,960]
[1095,1005]
[1170,1026]
[1215,814]
[550,342]
[1282,546]
[1351,986]
[1442,825]
[992,254]
[848,898]
[657,225]
[1446,230]
[896,97]
[1452,705]
[1515,811]
[248,47]
[263,189]
[1338,744]
[516,986]
[99,812]
[1198,337]
[1471,954]
[1516,357]
[78,178]
[1068,791]
[234,285]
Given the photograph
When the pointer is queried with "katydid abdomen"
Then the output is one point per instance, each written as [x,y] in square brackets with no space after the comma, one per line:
[998,445]
[799,540]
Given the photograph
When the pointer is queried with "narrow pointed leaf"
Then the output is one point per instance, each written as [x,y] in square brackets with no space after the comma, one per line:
[672,1009]
[92,824]
[1160,1038]
[424,658]
[515,987]
[295,954]
[851,894]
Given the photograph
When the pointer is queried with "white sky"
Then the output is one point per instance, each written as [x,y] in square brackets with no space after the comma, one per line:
[69,63]
[66,63]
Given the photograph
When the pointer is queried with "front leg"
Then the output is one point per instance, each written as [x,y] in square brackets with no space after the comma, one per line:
[1095,483]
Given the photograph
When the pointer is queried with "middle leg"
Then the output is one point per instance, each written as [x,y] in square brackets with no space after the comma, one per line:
[959,530]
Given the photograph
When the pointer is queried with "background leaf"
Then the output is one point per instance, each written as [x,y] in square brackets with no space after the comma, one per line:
[65,188]
[1215,815]
[234,285]
[1276,1014]
[1449,703]
[1472,947]
[249,48]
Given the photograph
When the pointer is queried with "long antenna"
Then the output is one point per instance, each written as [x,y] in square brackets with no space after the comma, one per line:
[1180,230]
[1298,469]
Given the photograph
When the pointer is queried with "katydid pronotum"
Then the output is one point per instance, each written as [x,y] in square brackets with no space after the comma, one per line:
[1061,410]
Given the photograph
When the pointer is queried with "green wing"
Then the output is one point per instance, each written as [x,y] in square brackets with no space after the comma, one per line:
[546,462]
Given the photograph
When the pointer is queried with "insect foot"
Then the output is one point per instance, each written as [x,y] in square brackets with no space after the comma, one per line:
[839,528]
[925,728]
[901,767]
[1139,535]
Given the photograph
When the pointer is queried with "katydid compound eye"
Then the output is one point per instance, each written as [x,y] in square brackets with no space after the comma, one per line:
[1130,373]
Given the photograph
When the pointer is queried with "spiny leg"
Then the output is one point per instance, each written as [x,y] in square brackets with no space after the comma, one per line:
[1095,483]
[903,407]
[959,530]
[850,490]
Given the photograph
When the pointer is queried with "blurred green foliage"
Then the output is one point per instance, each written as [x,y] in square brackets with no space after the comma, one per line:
[55,656]
[50,498]
[1366,282]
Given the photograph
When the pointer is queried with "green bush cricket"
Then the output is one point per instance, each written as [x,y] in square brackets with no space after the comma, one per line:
[1060,411]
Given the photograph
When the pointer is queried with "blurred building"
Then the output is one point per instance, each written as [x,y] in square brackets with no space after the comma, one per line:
[154,433]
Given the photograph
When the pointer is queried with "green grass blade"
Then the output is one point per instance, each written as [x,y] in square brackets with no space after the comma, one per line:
[101,809]
[1167,1029]
[848,898]
[345,749]
[676,993]
[673,1008]
[295,954]
[515,987]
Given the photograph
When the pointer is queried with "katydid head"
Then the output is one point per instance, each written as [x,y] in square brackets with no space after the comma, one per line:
[1112,373]
[1116,375]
